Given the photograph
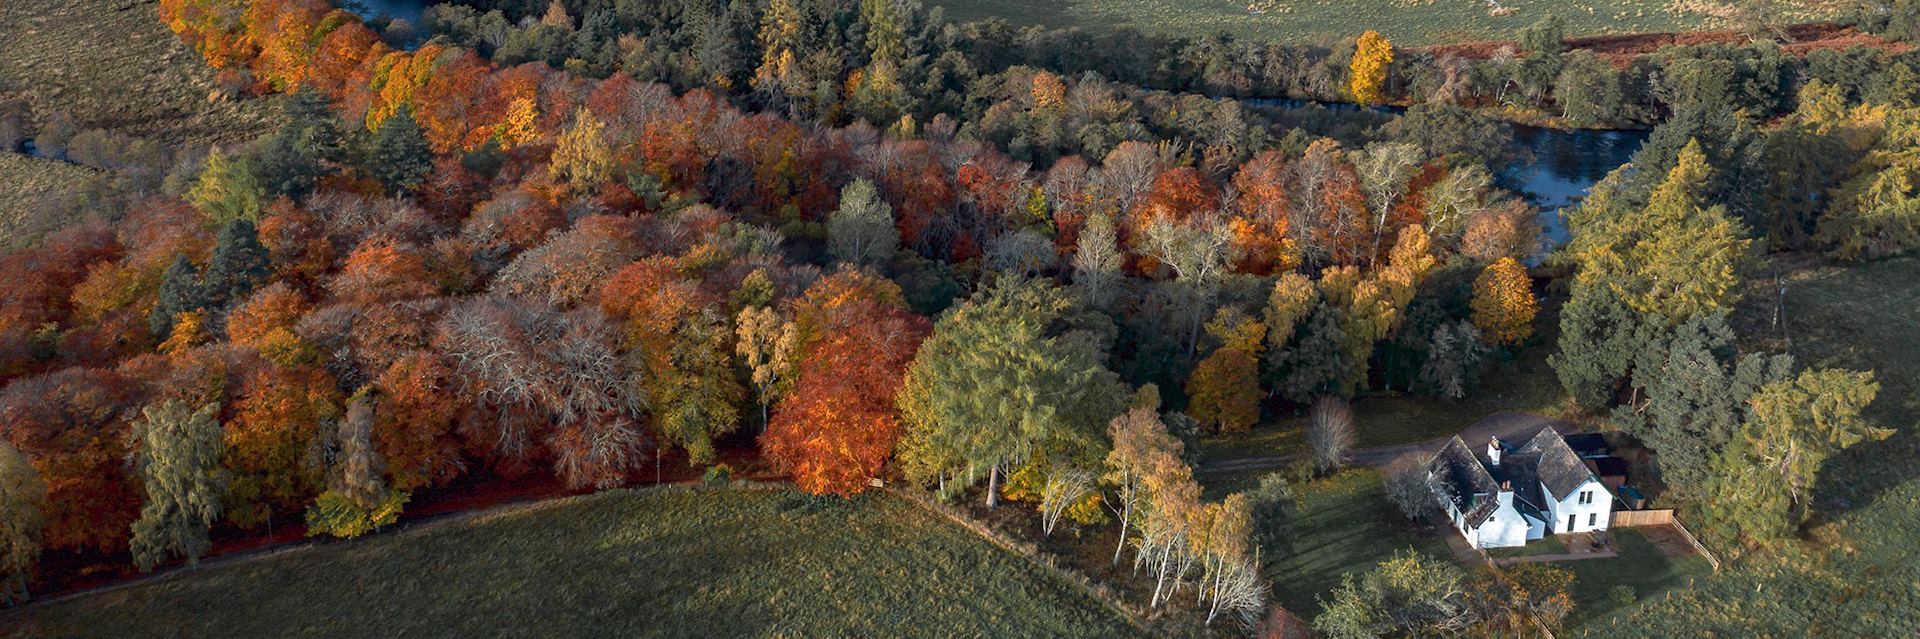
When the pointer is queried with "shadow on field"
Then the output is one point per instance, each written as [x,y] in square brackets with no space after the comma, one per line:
[1859,476]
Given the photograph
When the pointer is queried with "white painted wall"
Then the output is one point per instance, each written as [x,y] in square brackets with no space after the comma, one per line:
[1570,516]
[1506,528]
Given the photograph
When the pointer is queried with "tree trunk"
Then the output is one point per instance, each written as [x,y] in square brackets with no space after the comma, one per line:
[993,486]
[1126,514]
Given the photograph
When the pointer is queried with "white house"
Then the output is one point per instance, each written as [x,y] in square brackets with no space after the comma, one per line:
[1508,497]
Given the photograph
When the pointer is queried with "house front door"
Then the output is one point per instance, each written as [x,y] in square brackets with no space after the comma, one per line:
[1570,521]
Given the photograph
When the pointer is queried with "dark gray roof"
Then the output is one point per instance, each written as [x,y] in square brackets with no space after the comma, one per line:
[1607,466]
[1587,444]
[1553,463]
[1463,479]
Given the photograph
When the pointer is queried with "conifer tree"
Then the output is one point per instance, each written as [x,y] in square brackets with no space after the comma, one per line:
[180,292]
[228,189]
[239,265]
[401,157]
[177,458]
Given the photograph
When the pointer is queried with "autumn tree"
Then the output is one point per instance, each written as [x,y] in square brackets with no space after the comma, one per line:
[582,157]
[357,500]
[837,427]
[1141,446]
[228,189]
[1367,74]
[766,347]
[974,394]
[73,425]
[272,449]
[861,231]
[1503,303]
[1224,389]
[414,426]
[23,521]
[177,455]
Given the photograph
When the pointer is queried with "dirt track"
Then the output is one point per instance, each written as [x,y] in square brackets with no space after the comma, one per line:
[1507,425]
[1622,48]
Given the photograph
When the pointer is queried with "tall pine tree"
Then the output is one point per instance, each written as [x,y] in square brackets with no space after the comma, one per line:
[401,157]
[180,292]
[239,265]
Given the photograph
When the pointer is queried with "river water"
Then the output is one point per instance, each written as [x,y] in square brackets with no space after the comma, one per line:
[408,10]
[1552,168]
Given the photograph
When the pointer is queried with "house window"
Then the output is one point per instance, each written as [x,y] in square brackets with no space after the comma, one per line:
[1593,519]
[1586,497]
[1571,519]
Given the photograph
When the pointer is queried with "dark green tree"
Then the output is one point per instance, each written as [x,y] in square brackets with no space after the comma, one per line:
[1316,363]
[401,158]
[284,168]
[312,126]
[180,292]
[1690,395]
[239,265]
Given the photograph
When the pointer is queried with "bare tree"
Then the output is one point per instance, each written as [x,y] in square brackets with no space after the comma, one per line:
[1407,487]
[1330,435]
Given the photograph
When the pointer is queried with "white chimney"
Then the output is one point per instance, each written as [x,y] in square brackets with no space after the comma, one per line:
[1493,451]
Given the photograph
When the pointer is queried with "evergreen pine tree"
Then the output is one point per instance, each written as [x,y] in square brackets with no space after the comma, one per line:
[401,157]
[239,265]
[313,127]
[179,293]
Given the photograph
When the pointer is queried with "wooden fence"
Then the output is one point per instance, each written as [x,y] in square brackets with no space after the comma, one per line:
[1663,517]
[1635,518]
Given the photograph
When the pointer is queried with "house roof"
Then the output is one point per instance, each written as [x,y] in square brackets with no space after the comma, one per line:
[1588,444]
[1463,479]
[1554,463]
[1473,483]
[1607,466]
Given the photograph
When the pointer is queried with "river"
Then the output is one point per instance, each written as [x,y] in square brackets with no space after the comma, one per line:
[408,10]
[1551,168]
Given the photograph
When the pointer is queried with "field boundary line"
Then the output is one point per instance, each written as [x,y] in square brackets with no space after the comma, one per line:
[1099,592]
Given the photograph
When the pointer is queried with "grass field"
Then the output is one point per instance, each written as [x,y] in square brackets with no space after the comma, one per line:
[1641,566]
[1405,22]
[1343,524]
[110,64]
[1525,383]
[671,562]
[1859,574]
[24,182]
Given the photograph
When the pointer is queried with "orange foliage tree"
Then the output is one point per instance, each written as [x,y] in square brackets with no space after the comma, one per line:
[837,427]
[1503,303]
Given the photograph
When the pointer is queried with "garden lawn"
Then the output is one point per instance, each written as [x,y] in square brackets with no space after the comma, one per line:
[1640,566]
[1342,524]
[1405,22]
[1522,383]
[660,562]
